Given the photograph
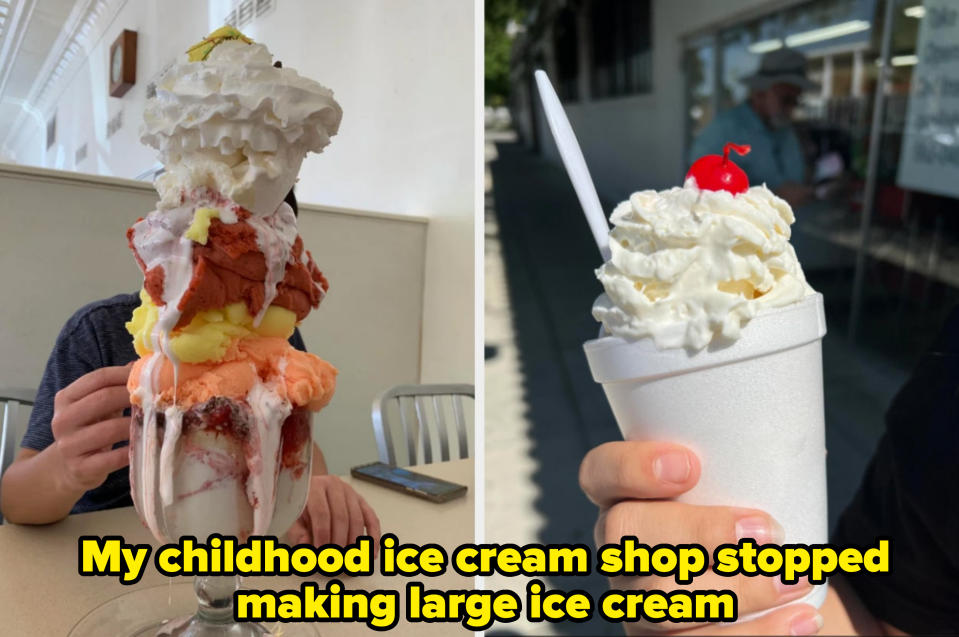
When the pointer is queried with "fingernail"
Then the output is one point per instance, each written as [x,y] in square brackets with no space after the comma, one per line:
[791,591]
[806,624]
[763,530]
[672,467]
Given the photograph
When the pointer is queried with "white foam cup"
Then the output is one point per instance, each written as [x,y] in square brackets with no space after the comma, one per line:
[752,411]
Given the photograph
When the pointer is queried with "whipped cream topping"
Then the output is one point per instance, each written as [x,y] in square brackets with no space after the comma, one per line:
[235,123]
[691,266]
[275,235]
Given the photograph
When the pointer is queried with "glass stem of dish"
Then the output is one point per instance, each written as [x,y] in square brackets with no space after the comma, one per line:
[214,595]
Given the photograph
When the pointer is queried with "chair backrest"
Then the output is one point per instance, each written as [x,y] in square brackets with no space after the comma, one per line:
[10,401]
[425,412]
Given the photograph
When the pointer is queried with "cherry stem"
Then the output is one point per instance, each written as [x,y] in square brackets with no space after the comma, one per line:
[741,149]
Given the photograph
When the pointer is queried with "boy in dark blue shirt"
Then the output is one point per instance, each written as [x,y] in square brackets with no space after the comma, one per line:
[74,454]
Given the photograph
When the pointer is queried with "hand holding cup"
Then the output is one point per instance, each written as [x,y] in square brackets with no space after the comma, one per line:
[634,483]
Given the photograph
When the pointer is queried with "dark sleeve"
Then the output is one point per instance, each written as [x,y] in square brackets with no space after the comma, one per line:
[910,494]
[297,340]
[74,354]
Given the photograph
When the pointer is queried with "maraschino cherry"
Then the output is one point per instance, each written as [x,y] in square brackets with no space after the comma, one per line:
[713,172]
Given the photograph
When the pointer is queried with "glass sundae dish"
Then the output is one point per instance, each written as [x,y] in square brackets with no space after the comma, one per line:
[221,477]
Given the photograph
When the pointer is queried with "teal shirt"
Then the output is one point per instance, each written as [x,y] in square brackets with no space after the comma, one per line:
[776,156]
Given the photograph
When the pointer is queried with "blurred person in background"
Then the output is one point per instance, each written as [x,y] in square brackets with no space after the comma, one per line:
[764,121]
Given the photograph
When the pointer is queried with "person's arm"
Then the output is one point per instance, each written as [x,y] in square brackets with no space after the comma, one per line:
[844,613]
[42,486]
[908,494]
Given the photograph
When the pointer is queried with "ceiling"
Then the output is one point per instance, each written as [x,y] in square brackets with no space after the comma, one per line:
[39,41]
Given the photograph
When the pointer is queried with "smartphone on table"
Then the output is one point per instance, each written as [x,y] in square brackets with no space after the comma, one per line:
[404,480]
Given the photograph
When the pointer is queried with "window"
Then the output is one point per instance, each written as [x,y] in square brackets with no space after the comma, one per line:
[699,64]
[621,47]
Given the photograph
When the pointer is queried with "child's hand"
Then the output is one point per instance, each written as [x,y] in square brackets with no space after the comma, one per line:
[335,514]
[87,422]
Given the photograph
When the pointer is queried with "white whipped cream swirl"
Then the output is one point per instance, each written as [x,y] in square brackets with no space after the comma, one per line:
[689,266]
[237,124]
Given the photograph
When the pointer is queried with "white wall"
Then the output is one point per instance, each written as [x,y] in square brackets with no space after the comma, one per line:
[63,245]
[633,143]
[403,73]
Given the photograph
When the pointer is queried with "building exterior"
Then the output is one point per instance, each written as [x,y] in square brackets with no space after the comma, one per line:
[639,78]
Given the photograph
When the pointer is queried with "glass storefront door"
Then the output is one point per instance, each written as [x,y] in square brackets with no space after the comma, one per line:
[881,239]
[910,278]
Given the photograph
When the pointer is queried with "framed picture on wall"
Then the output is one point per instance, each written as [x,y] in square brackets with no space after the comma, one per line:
[123,63]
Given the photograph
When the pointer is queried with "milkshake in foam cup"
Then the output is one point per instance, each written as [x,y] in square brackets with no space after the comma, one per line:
[711,338]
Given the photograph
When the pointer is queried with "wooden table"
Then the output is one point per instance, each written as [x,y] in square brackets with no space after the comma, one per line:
[41,592]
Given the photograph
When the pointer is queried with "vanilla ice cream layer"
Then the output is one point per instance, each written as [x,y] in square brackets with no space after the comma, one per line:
[205,482]
[690,267]
[237,124]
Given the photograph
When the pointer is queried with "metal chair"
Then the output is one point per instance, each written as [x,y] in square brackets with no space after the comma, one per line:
[10,401]
[422,412]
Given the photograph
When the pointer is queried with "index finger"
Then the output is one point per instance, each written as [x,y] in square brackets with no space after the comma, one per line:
[637,470]
[372,523]
[97,379]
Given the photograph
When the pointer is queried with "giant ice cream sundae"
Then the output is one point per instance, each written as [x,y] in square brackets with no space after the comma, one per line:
[221,438]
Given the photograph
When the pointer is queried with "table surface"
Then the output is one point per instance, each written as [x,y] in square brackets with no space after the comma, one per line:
[41,592]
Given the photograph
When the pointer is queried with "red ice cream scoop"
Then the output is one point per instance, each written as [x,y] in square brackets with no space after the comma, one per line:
[715,172]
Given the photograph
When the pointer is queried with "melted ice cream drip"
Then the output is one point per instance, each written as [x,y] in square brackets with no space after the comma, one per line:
[263,459]
[275,235]
[161,244]
[171,435]
[147,442]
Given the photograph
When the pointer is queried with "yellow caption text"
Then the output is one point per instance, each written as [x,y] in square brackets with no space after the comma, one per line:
[381,606]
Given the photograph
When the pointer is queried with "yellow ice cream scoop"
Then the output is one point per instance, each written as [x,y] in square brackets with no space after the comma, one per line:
[199,230]
[201,50]
[209,334]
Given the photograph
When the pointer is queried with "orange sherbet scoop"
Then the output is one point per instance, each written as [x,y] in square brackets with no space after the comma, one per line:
[305,380]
